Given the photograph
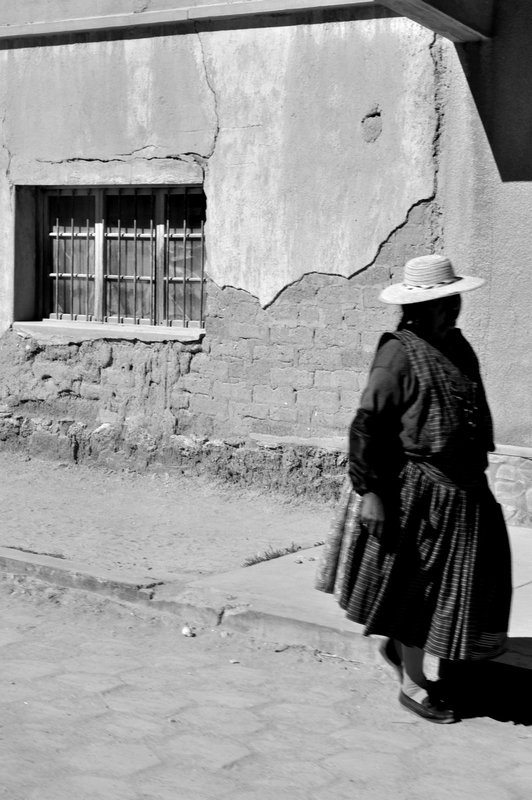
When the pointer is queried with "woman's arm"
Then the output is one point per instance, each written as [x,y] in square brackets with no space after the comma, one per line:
[375,451]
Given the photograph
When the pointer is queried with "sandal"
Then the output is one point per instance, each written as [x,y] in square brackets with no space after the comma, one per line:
[433,711]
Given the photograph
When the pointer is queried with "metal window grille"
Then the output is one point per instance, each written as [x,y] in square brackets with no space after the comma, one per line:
[125,255]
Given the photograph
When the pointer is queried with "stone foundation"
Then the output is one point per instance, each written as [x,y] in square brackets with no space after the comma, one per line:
[511,480]
[313,469]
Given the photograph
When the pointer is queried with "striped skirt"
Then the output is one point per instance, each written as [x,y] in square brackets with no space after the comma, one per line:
[440,576]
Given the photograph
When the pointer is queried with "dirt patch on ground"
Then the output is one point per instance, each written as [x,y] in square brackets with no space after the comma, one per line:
[147,525]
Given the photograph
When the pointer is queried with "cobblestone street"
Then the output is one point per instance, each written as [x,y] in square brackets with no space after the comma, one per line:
[101,701]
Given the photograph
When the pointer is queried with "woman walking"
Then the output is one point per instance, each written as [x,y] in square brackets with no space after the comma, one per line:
[421,553]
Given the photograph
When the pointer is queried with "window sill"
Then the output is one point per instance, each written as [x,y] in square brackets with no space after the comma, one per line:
[52,332]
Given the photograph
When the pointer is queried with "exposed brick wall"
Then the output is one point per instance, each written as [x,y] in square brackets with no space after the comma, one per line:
[294,369]
[297,367]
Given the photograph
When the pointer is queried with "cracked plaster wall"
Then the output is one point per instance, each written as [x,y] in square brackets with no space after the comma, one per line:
[294,184]
[329,153]
[274,119]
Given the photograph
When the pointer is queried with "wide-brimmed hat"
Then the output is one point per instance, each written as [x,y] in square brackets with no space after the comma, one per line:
[428,278]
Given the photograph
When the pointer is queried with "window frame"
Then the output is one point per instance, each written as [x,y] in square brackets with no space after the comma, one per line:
[160,236]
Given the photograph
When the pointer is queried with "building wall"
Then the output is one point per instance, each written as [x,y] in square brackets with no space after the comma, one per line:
[330,151]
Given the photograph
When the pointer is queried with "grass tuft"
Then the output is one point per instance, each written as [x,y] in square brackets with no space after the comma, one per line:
[270,553]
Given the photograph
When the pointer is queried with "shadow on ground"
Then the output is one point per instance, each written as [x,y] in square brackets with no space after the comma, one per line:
[500,689]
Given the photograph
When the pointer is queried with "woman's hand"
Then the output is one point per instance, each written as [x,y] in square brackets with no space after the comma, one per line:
[372,514]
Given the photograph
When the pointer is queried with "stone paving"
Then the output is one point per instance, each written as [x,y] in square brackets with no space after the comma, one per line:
[101,701]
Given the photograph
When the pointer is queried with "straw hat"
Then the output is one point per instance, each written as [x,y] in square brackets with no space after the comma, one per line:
[428,278]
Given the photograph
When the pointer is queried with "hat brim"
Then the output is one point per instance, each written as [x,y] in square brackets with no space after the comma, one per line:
[400,294]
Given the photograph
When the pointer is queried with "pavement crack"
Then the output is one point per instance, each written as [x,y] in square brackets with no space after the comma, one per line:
[33,552]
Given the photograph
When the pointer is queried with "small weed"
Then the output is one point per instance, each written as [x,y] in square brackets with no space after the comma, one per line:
[271,553]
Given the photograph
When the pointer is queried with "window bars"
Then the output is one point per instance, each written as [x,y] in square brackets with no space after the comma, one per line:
[125,255]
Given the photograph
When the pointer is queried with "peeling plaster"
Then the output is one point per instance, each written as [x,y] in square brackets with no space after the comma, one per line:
[363,269]
[372,125]
[293,188]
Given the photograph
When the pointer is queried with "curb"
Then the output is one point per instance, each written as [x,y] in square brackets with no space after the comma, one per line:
[211,603]
[195,605]
[70,575]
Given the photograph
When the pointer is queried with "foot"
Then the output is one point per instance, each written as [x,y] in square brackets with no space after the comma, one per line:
[427,708]
[389,652]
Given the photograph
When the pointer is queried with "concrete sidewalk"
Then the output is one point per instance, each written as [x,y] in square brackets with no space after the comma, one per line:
[274,600]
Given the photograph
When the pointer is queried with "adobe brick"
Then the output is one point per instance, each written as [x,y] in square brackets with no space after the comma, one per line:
[90,391]
[185,361]
[380,273]
[248,312]
[369,340]
[252,410]
[381,319]
[237,369]
[274,427]
[353,358]
[337,421]
[246,330]
[297,294]
[257,371]
[206,405]
[296,378]
[370,296]
[343,419]
[199,362]
[355,318]
[232,391]
[285,315]
[281,352]
[282,334]
[283,414]
[331,337]
[281,396]
[320,399]
[309,316]
[341,378]
[328,358]
[179,399]
[196,384]
[349,399]
[237,349]
[334,295]
[218,369]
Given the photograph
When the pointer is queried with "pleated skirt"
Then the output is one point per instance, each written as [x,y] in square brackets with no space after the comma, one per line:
[440,576]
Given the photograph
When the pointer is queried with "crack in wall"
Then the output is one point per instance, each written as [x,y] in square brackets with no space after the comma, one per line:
[200,159]
[186,158]
[9,155]
[439,68]
[363,269]
[210,84]
[392,233]
[6,148]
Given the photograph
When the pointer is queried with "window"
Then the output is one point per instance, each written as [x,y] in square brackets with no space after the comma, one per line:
[124,255]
